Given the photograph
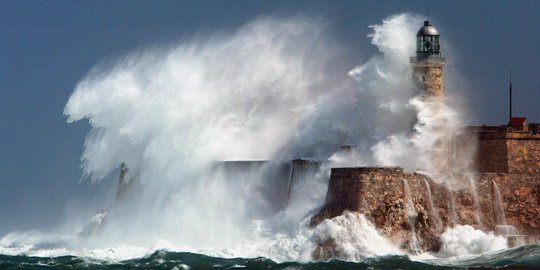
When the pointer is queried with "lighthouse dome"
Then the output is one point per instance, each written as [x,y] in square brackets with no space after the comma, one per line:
[427,30]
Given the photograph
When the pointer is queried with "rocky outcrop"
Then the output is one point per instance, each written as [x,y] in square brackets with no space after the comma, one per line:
[412,210]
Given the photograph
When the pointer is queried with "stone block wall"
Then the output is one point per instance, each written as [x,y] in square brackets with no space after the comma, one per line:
[492,153]
[500,150]
[520,200]
[381,195]
[431,77]
[523,152]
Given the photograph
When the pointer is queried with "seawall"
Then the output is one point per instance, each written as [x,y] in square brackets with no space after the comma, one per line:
[413,210]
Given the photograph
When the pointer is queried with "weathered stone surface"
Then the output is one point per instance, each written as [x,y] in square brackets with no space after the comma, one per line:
[523,152]
[379,194]
[502,149]
[492,153]
[431,78]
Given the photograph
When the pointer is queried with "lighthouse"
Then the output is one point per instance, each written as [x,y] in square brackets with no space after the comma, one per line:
[428,63]
[428,74]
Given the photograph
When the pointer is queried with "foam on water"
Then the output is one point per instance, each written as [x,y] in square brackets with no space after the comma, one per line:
[464,240]
[355,237]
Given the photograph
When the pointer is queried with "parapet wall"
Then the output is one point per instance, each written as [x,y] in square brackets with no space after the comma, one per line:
[381,194]
[523,152]
[504,150]
[492,154]
[278,183]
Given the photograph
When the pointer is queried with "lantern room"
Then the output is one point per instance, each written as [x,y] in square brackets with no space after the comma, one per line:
[427,41]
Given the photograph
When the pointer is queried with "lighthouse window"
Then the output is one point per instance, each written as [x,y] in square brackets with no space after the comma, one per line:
[427,44]
[423,78]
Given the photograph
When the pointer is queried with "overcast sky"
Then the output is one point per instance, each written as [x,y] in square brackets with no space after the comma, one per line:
[46,47]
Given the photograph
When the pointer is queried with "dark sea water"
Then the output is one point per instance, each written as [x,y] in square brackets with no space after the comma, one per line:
[525,257]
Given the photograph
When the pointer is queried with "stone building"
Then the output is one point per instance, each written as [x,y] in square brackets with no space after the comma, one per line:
[512,148]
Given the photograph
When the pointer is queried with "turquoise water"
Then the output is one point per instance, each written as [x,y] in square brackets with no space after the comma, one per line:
[525,257]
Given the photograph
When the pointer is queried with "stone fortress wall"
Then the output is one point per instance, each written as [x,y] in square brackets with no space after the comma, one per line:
[508,150]
[500,193]
[507,204]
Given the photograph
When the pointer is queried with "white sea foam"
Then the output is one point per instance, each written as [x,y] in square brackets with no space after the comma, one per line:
[355,238]
[465,240]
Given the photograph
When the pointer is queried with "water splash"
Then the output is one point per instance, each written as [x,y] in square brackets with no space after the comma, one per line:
[411,213]
[501,226]
[437,222]
[194,109]
[272,91]
[451,205]
[498,207]
[465,240]
[476,202]
[171,114]
[353,237]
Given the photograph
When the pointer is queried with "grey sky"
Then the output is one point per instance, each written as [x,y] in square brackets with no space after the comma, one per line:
[48,46]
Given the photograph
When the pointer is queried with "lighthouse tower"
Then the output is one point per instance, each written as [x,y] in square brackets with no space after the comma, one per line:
[428,63]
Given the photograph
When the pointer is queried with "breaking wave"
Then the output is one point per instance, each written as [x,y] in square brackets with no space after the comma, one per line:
[178,122]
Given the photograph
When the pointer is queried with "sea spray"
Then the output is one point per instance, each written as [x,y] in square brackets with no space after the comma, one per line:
[501,226]
[411,213]
[465,240]
[498,207]
[437,223]
[476,201]
[171,114]
[352,237]
[451,204]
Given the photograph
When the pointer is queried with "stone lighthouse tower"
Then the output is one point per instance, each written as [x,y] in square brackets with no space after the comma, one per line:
[428,73]
[428,63]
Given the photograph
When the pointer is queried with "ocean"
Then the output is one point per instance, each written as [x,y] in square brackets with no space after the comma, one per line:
[524,257]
